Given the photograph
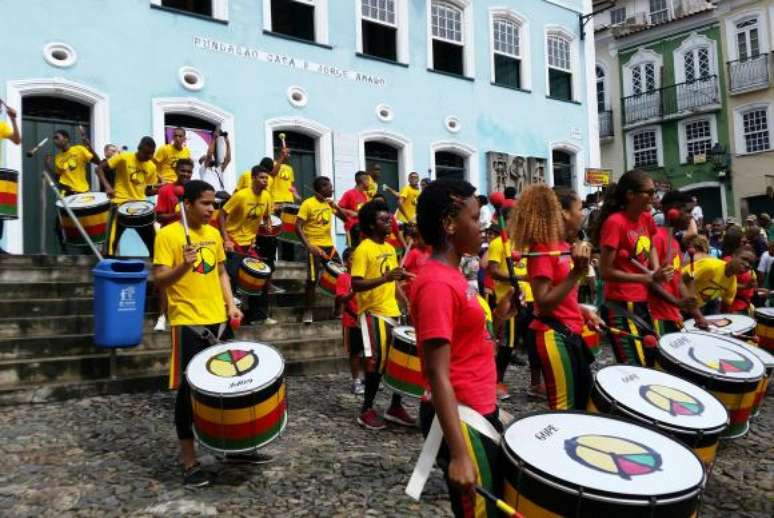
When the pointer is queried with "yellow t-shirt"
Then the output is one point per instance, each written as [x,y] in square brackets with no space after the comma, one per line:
[371,260]
[318,218]
[498,255]
[71,167]
[5,130]
[166,160]
[197,297]
[245,211]
[410,195]
[710,280]
[132,176]
[372,188]
[280,187]
[246,180]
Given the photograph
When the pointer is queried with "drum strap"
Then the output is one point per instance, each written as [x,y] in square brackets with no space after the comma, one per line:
[367,349]
[433,444]
[207,335]
[631,316]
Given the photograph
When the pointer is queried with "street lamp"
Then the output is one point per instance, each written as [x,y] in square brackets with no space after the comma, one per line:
[720,159]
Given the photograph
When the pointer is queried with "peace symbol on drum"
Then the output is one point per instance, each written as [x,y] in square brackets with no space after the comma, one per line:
[232,363]
[613,455]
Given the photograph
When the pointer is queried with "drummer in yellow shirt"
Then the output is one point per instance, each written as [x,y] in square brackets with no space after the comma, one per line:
[516,327]
[10,132]
[135,179]
[70,163]
[374,175]
[314,229]
[407,201]
[241,218]
[166,156]
[188,265]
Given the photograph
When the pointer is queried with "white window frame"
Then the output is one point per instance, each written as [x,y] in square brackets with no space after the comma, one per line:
[219,9]
[692,43]
[659,145]
[682,138]
[738,130]
[468,48]
[560,30]
[525,48]
[321,34]
[468,152]
[605,85]
[638,58]
[401,25]
[763,30]
[616,9]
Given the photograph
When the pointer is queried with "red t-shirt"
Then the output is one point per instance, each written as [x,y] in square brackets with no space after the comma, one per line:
[744,296]
[167,201]
[416,258]
[445,308]
[343,287]
[556,269]
[660,309]
[353,199]
[621,233]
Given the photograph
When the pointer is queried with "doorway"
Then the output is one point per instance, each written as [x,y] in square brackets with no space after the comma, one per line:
[41,116]
[562,165]
[386,157]
[303,159]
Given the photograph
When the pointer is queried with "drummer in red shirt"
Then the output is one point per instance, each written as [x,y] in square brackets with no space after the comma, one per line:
[352,335]
[455,346]
[666,305]
[624,233]
[168,211]
[746,282]
[350,204]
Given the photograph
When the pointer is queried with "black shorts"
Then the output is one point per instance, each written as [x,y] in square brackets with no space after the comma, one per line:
[315,265]
[355,341]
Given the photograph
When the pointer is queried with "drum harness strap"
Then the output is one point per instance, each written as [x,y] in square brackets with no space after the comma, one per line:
[207,335]
[433,444]
[631,316]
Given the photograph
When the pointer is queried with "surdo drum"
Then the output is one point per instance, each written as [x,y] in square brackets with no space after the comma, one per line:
[577,464]
[403,372]
[676,407]
[329,275]
[288,215]
[765,328]
[238,396]
[252,276]
[136,214]
[92,210]
[9,203]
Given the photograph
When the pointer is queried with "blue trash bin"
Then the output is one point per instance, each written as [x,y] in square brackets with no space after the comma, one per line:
[119,302]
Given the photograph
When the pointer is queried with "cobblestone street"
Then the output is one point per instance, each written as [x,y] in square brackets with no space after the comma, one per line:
[116,455]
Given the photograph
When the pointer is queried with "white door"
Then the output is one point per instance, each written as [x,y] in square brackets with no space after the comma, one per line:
[645,101]
[700,87]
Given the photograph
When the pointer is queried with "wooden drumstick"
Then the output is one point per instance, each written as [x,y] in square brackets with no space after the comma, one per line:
[282,137]
[183,218]
[389,189]
[501,505]
[405,254]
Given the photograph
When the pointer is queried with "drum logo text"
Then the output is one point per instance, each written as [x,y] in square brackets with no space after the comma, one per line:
[613,455]
[546,432]
[671,400]
[629,377]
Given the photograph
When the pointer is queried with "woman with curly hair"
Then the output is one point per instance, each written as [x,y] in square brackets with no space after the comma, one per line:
[544,223]
[624,233]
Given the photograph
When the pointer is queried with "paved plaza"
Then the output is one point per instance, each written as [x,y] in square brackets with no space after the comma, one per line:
[107,456]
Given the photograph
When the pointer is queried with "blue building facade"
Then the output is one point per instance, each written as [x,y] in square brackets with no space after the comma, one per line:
[494,91]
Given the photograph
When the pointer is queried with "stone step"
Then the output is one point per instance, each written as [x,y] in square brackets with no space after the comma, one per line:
[82,344]
[58,391]
[9,260]
[95,364]
[288,327]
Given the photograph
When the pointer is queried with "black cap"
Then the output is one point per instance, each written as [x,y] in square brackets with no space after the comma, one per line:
[266,165]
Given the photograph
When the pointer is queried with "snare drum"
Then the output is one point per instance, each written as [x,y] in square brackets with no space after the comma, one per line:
[329,275]
[726,369]
[9,183]
[275,226]
[136,214]
[288,214]
[92,210]
[765,328]
[403,372]
[252,276]
[578,464]
[725,324]
[676,407]
[238,396]
[590,337]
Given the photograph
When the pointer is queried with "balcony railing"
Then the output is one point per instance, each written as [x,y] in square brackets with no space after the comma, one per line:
[748,74]
[605,124]
[672,100]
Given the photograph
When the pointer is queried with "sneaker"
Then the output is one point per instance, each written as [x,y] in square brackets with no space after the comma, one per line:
[196,477]
[502,392]
[270,321]
[371,420]
[276,290]
[308,317]
[248,458]
[398,415]
[161,324]
[357,387]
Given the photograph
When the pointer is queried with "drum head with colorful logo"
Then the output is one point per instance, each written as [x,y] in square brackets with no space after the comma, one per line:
[661,397]
[405,333]
[715,356]
[764,356]
[256,265]
[136,208]
[234,368]
[603,455]
[84,200]
[724,324]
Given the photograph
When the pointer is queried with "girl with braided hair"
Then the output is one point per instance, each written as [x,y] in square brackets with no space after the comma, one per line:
[545,222]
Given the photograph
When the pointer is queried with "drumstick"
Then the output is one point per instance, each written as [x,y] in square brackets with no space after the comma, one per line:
[389,189]
[501,505]
[647,340]
[406,253]
[517,256]
[183,217]
[34,150]
[282,137]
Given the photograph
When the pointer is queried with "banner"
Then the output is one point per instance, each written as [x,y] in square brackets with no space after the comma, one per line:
[598,177]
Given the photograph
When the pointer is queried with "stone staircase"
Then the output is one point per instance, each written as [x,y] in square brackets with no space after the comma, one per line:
[46,323]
